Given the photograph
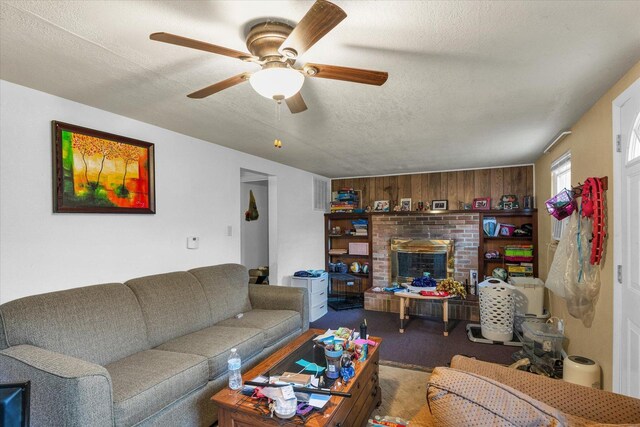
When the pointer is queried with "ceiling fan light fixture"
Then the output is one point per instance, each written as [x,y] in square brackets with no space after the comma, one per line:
[277,82]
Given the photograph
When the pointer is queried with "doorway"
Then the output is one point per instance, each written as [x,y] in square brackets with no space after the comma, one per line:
[626,246]
[255,234]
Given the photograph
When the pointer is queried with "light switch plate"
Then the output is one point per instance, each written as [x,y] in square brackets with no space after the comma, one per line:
[193,242]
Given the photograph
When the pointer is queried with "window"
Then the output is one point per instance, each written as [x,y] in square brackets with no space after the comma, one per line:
[560,179]
[634,141]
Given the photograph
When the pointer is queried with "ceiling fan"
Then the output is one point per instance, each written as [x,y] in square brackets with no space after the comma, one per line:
[275,46]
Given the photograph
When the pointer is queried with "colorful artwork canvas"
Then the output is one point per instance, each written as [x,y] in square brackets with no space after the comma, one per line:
[100,172]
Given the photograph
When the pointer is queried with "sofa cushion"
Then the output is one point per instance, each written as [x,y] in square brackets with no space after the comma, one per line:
[215,344]
[99,324]
[276,324]
[458,398]
[146,382]
[173,304]
[227,289]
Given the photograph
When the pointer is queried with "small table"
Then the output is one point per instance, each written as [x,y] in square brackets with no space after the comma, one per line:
[406,296]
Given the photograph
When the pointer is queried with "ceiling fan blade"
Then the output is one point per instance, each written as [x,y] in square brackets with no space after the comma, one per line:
[319,20]
[296,103]
[196,44]
[217,87]
[347,74]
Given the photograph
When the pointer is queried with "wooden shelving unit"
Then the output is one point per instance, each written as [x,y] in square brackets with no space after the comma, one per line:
[347,290]
[487,243]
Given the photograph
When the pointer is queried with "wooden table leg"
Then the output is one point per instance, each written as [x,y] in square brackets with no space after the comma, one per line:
[445,316]
[406,310]
[402,314]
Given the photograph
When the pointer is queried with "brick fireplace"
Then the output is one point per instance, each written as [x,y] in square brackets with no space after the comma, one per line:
[461,227]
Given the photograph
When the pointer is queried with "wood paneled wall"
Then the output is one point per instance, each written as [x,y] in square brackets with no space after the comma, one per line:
[452,186]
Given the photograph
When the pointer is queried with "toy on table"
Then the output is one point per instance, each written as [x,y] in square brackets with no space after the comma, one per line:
[347,370]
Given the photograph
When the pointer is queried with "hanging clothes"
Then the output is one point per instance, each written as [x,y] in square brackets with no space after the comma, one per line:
[252,213]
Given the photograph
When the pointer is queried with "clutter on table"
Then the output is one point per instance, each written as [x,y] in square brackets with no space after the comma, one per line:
[426,281]
[452,287]
[308,390]
[341,342]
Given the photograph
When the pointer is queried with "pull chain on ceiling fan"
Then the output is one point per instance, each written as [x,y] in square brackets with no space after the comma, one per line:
[275,46]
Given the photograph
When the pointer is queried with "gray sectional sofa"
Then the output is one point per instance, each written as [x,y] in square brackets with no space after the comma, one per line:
[151,351]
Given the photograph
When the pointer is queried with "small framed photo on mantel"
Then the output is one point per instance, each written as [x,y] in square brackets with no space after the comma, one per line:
[482,204]
[439,205]
[381,206]
[405,205]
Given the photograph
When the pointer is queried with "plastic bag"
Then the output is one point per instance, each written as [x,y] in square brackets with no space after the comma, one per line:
[572,276]
[583,282]
[556,277]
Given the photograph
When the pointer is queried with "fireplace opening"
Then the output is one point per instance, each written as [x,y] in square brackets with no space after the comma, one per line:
[411,258]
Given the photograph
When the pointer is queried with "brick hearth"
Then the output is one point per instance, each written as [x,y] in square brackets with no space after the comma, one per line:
[462,228]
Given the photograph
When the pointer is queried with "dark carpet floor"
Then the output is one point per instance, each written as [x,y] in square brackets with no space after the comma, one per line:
[422,342]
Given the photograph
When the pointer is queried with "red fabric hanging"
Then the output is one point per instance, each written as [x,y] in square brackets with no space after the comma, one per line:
[593,206]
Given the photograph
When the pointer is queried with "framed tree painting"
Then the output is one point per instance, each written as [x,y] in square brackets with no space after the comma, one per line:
[98,172]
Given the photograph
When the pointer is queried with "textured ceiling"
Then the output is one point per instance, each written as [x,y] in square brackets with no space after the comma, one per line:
[471,84]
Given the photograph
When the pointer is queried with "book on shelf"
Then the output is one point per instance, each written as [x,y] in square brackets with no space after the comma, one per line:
[343,206]
[522,269]
[337,251]
[345,200]
[490,226]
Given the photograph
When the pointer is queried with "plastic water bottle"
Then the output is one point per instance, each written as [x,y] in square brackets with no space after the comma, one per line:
[235,377]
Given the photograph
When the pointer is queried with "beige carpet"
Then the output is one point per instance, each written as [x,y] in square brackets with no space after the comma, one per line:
[403,391]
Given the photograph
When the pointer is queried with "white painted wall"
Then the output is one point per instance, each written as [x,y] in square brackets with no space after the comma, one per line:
[197,194]
[255,234]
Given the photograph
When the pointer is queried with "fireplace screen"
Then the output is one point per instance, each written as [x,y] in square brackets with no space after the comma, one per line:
[411,258]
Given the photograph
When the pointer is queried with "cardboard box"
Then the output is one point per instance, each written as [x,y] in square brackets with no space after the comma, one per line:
[358,248]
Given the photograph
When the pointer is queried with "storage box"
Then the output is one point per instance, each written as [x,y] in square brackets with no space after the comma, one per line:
[529,295]
[358,248]
[518,253]
[507,229]
[542,339]
[519,319]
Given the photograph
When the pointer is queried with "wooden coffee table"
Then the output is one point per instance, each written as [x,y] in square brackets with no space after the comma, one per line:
[237,410]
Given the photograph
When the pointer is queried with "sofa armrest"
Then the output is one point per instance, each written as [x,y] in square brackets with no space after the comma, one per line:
[590,403]
[281,298]
[64,390]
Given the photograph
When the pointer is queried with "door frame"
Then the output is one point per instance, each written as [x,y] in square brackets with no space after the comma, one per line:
[618,164]
[272,194]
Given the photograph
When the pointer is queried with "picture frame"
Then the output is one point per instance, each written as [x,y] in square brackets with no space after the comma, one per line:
[100,172]
[381,206]
[439,205]
[405,205]
[482,204]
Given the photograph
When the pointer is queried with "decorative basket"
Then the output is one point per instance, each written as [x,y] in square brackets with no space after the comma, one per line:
[561,205]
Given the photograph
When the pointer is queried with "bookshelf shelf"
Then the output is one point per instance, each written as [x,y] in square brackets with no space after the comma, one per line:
[493,243]
[347,223]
